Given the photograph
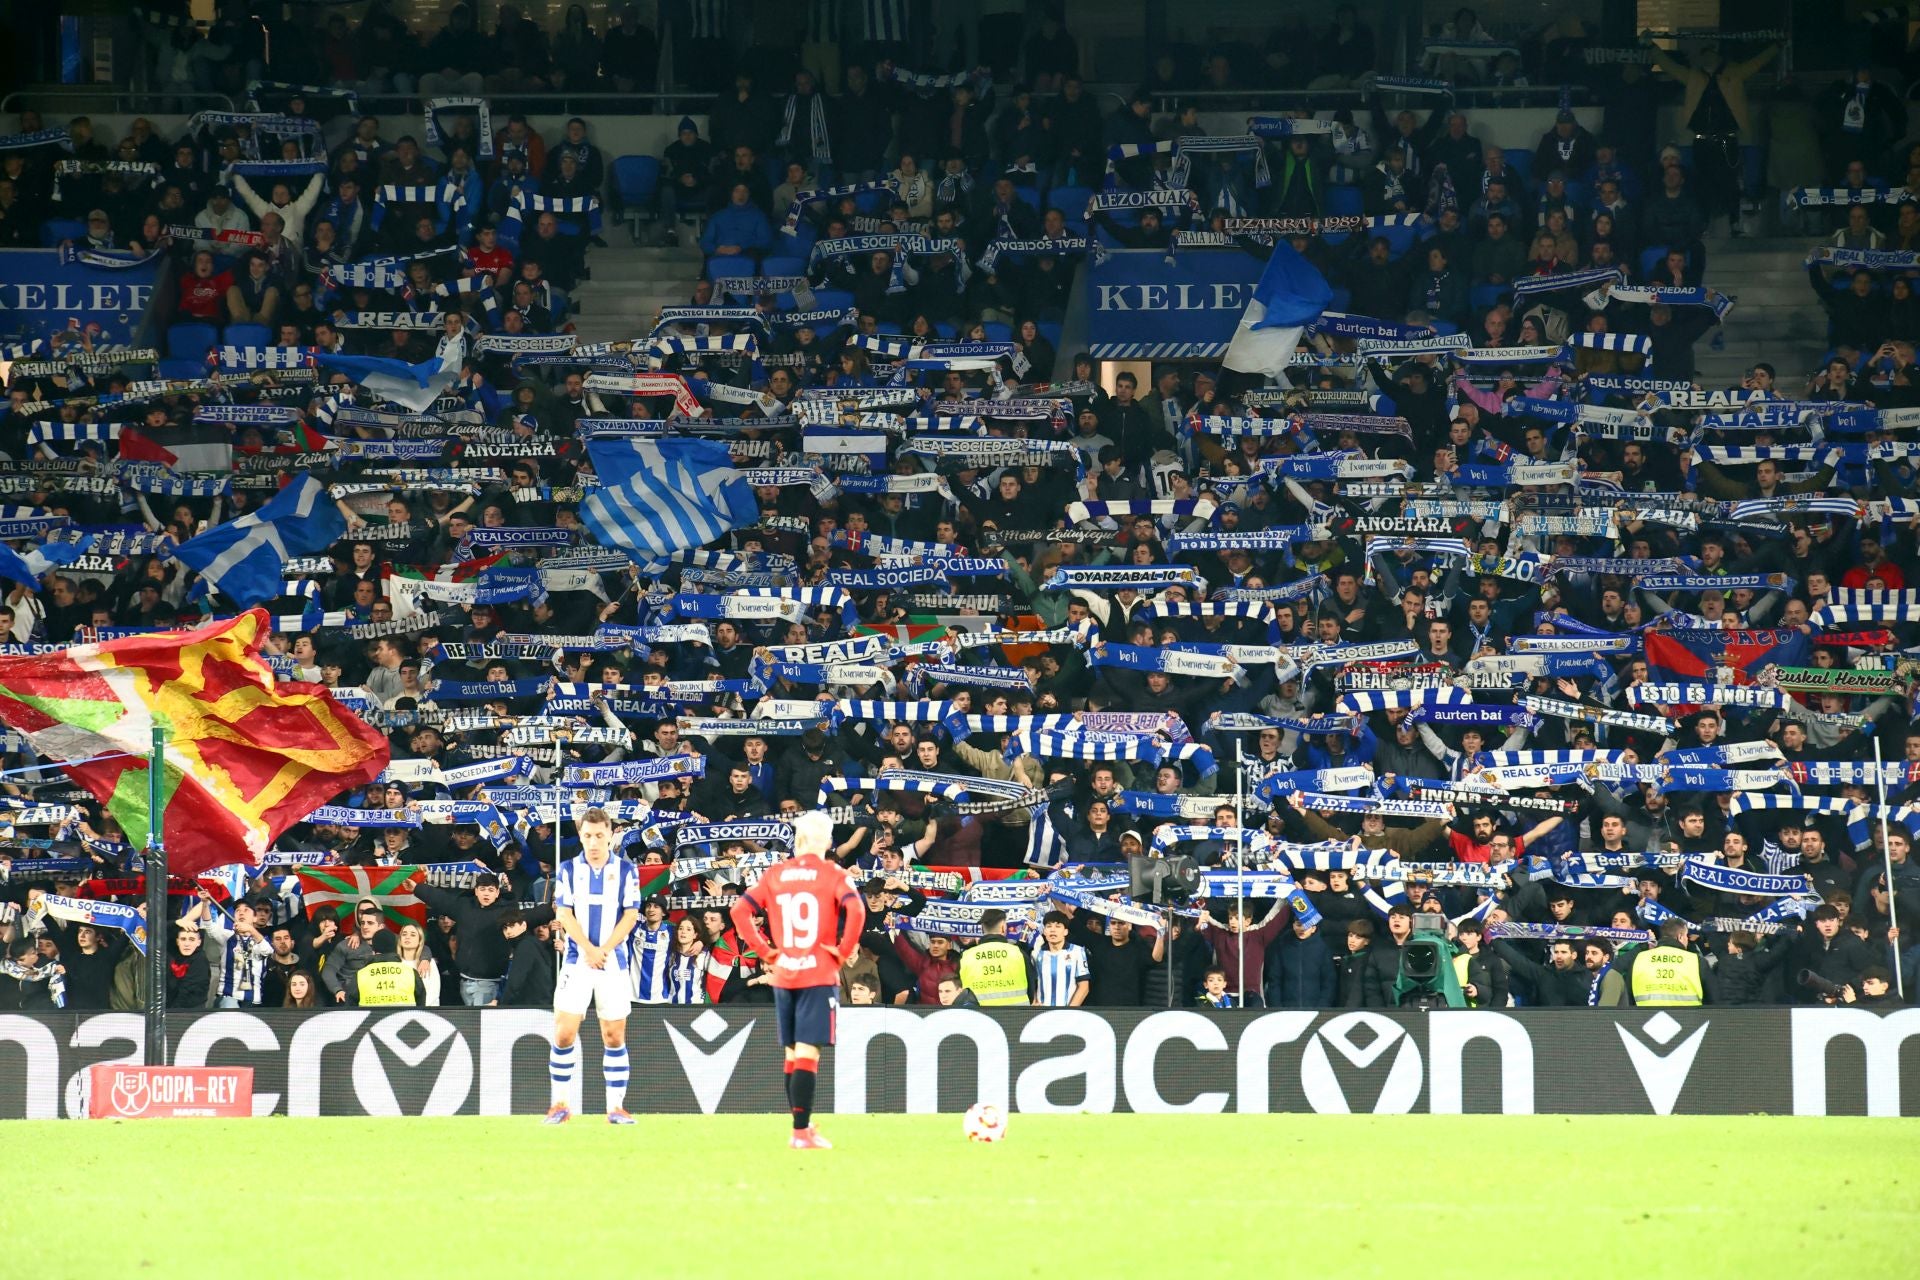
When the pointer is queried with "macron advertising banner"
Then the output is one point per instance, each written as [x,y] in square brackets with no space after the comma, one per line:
[452,1061]
[38,295]
[1149,304]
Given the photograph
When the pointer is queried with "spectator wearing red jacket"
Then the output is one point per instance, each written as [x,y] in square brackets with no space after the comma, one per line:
[202,294]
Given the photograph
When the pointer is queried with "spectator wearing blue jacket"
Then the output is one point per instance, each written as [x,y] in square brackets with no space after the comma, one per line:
[1300,970]
[739,229]
[1338,750]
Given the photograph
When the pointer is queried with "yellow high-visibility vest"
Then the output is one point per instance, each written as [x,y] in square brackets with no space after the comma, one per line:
[1668,977]
[386,982]
[995,971]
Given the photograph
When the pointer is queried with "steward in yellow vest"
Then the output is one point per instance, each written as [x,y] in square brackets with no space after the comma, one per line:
[1667,975]
[387,980]
[993,969]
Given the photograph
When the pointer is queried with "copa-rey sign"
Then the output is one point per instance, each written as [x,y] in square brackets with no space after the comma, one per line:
[493,1062]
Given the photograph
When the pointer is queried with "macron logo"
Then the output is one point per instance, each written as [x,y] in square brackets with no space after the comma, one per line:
[708,1071]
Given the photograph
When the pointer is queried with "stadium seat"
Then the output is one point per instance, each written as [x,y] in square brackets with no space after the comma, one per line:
[831,299]
[1050,330]
[888,326]
[637,180]
[1482,296]
[783,265]
[871,203]
[720,268]
[55,230]
[1520,160]
[946,331]
[247,335]
[1344,202]
[171,368]
[997,331]
[1340,299]
[1753,168]
[191,340]
[1399,240]
[1651,257]
[1072,204]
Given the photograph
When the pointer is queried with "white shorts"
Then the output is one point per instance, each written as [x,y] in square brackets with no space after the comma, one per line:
[608,990]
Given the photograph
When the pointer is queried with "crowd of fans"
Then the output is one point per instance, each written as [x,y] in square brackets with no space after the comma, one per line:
[1538,431]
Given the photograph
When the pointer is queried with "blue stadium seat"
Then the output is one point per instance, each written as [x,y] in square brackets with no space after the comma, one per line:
[719,268]
[1072,203]
[997,331]
[1344,202]
[872,203]
[1520,160]
[1444,329]
[1753,169]
[1399,240]
[831,299]
[946,330]
[1482,296]
[247,335]
[637,180]
[182,369]
[888,326]
[54,230]
[1340,300]
[1050,330]
[1650,258]
[191,340]
[783,265]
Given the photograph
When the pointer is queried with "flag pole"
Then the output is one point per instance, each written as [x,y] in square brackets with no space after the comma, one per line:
[158,931]
[1240,858]
[1893,911]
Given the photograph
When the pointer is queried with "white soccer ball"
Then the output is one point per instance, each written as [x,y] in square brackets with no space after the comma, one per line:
[984,1122]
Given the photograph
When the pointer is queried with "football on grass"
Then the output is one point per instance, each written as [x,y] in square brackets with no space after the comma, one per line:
[984,1122]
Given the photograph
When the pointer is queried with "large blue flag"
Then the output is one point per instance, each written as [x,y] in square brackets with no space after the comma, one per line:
[245,559]
[1291,294]
[27,570]
[667,495]
[415,386]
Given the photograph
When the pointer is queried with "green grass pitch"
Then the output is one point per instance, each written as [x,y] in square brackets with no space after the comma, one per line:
[1409,1197]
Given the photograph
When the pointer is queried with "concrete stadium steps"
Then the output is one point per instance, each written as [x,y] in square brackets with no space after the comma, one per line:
[630,284]
[1775,316]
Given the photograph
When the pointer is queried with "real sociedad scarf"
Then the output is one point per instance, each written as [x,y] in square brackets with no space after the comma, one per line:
[1496,715]
[635,771]
[1133,577]
[1231,144]
[482,124]
[1724,879]
[1178,662]
[1864,259]
[1567,933]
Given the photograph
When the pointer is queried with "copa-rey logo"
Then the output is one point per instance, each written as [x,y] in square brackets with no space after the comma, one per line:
[708,1070]
[1662,1071]
[130,1093]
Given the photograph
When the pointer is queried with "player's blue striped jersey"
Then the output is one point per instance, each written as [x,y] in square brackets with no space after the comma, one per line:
[597,899]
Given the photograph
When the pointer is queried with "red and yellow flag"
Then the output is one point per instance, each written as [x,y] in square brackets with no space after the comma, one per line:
[246,757]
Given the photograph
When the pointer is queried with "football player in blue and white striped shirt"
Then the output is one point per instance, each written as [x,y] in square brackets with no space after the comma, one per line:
[596,902]
[652,953]
[1060,967]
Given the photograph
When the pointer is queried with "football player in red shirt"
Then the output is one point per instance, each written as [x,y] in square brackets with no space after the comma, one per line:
[800,898]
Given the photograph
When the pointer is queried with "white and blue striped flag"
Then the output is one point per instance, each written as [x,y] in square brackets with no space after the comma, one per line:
[246,559]
[662,496]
